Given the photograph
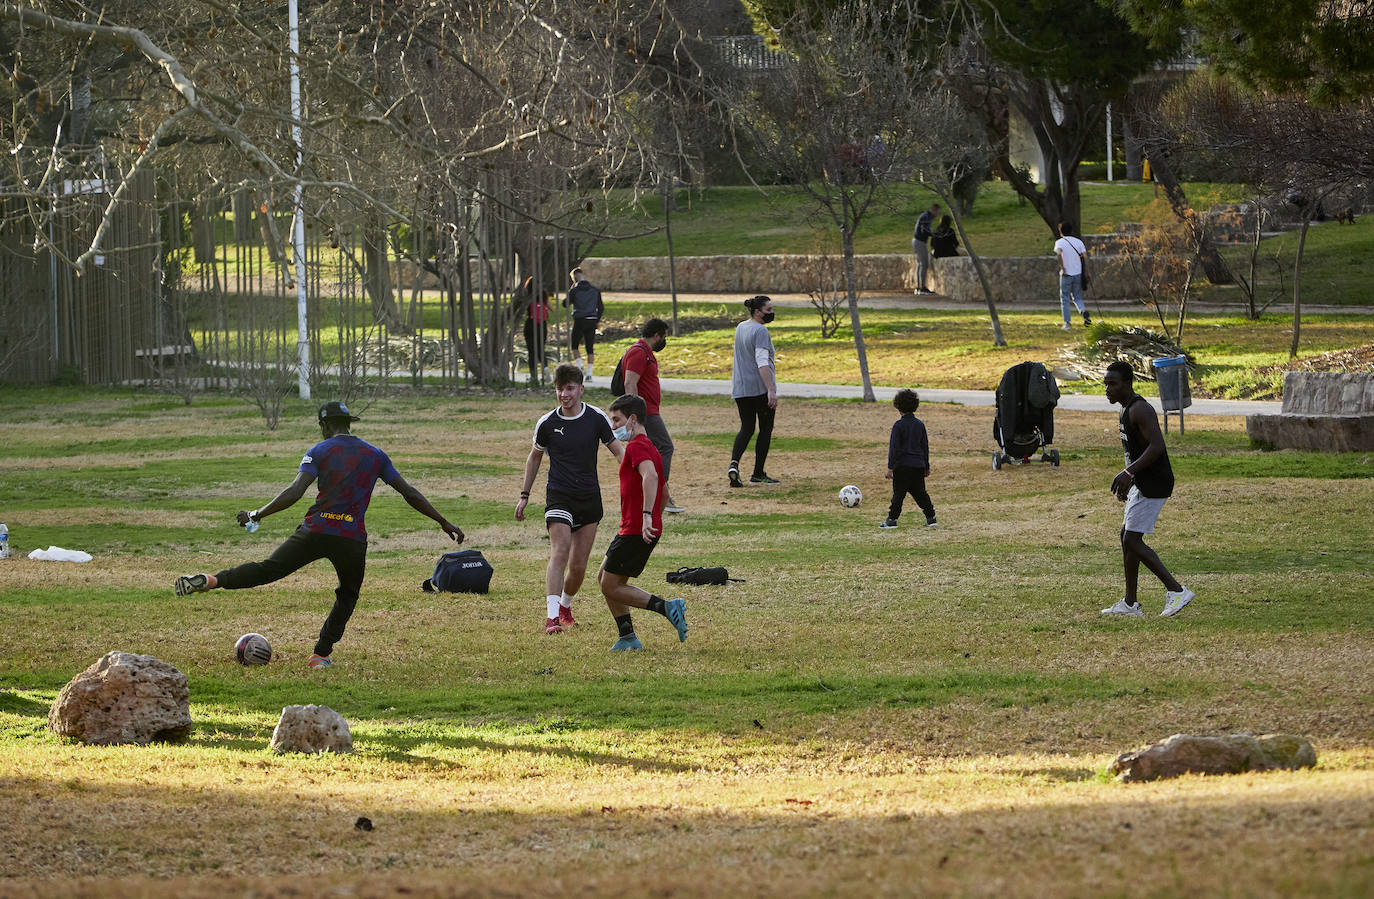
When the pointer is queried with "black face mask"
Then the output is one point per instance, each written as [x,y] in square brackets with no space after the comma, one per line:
[659,344]
[767,317]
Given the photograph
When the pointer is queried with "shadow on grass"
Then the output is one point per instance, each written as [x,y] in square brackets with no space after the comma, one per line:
[793,839]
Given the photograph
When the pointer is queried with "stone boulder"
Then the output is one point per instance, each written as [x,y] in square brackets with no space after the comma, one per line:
[124,698]
[1325,411]
[1232,754]
[311,729]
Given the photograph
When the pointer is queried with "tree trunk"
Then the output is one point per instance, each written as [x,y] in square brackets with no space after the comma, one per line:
[669,202]
[1297,282]
[377,275]
[1135,155]
[997,338]
[847,236]
[1213,266]
[1137,121]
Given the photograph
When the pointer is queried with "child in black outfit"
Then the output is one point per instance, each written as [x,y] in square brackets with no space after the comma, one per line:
[908,460]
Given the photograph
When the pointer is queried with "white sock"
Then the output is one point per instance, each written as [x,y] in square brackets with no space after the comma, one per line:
[553,605]
[566,599]
[589,369]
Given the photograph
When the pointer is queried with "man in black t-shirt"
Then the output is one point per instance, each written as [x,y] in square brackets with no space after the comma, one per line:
[570,435]
[1143,485]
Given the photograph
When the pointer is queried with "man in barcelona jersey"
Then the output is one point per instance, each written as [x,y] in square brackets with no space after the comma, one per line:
[346,469]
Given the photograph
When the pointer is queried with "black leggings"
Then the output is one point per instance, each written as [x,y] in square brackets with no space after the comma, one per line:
[300,549]
[909,480]
[534,344]
[753,409]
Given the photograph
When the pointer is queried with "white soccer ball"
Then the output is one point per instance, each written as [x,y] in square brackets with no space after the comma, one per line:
[253,649]
[850,496]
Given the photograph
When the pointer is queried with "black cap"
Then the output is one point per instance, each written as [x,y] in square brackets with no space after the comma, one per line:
[336,409]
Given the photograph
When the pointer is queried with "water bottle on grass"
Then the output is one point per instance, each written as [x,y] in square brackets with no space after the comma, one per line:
[4,541]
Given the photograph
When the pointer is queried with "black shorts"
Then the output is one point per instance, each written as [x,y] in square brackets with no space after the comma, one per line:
[574,511]
[628,554]
[584,331]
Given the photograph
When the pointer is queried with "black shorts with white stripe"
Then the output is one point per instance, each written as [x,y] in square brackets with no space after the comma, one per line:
[574,511]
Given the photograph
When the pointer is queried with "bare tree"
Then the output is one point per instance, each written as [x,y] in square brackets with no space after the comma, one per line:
[1287,143]
[467,122]
[852,115]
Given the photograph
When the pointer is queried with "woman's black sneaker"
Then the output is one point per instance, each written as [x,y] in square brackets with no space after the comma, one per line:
[763,479]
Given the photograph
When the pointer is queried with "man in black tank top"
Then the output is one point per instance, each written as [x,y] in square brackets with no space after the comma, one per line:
[1143,485]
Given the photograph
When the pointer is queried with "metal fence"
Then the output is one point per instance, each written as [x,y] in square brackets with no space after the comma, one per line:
[198,292]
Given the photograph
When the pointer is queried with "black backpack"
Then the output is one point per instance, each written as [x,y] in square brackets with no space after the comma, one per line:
[618,376]
[467,571]
[700,576]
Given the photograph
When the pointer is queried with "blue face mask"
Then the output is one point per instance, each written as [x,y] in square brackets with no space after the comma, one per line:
[623,434]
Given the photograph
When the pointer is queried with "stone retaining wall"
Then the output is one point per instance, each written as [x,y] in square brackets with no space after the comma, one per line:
[1331,411]
[1012,278]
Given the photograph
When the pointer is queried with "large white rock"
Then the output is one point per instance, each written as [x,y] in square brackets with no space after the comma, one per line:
[311,729]
[124,698]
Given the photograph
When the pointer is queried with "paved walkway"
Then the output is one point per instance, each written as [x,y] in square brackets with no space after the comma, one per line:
[1074,401]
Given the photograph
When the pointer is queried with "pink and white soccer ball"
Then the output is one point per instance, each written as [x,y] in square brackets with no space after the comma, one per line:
[253,649]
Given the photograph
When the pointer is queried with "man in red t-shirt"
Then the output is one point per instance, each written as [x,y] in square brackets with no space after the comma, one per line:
[641,523]
[640,367]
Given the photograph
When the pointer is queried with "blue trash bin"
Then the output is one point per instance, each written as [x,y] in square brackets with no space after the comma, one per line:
[1171,374]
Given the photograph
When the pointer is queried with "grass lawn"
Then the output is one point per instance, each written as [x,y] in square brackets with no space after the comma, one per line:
[741,220]
[869,712]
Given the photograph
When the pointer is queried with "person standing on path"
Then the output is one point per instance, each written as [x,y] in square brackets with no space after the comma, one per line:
[641,524]
[536,327]
[908,460]
[640,368]
[346,470]
[1073,274]
[587,309]
[570,435]
[754,386]
[921,247]
[1143,485]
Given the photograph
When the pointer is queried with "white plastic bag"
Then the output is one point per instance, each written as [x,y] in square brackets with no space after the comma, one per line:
[58,554]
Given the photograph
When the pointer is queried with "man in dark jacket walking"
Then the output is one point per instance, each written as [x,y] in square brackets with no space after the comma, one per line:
[587,308]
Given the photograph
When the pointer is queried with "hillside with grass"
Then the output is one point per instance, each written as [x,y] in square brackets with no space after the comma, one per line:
[744,220]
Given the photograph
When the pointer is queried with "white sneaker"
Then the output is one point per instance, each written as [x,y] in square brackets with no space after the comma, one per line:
[1121,607]
[1174,602]
[1066,327]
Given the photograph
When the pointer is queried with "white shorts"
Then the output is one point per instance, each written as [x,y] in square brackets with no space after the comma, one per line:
[1142,511]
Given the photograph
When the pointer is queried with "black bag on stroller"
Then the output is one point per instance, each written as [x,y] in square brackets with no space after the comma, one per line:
[1024,423]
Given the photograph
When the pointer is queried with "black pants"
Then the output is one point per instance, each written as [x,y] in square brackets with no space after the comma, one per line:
[536,335]
[752,410]
[909,480]
[299,550]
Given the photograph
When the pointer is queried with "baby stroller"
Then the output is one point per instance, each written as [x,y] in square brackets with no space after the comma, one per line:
[1026,398]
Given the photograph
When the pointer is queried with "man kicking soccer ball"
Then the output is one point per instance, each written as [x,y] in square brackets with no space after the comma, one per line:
[1143,485]
[346,469]
[641,523]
